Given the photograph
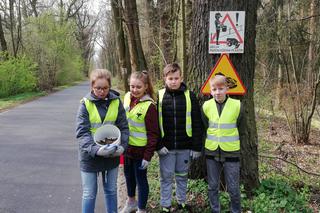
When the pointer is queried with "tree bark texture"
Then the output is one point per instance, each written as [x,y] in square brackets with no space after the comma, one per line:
[138,61]
[201,63]
[314,8]
[153,38]
[3,41]
[117,16]
[167,29]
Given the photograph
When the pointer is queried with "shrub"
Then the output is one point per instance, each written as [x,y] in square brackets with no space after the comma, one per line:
[17,75]
[275,195]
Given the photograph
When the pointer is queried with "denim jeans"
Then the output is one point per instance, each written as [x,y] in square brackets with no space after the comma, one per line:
[136,176]
[90,186]
[231,174]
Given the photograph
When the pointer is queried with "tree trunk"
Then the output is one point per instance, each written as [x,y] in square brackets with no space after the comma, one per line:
[125,68]
[3,42]
[12,27]
[138,61]
[201,63]
[166,8]
[312,45]
[153,39]
[183,39]
[280,78]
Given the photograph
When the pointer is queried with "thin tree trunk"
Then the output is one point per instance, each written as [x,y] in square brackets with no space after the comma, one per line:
[312,46]
[12,26]
[3,41]
[166,31]
[153,38]
[200,64]
[280,78]
[138,61]
[121,43]
[183,39]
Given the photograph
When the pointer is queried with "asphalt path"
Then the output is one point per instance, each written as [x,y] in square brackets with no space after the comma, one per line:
[39,169]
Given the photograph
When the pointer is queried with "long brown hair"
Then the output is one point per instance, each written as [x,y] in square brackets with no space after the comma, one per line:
[146,79]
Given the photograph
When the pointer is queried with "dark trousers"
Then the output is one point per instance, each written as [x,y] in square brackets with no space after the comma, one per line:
[136,176]
[231,175]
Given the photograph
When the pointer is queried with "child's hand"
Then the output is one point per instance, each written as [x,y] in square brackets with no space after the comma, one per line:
[163,151]
[144,164]
[106,151]
[118,151]
[195,155]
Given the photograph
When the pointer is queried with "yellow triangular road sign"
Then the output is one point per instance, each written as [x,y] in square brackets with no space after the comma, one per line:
[225,67]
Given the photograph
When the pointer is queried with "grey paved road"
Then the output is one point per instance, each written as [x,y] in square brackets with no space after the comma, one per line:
[39,170]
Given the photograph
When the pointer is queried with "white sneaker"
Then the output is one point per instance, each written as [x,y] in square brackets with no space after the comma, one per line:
[130,207]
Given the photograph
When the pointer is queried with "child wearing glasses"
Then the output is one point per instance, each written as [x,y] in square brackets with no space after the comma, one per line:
[100,106]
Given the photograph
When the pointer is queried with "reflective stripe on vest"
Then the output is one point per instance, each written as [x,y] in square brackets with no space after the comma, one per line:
[222,130]
[136,120]
[188,112]
[94,117]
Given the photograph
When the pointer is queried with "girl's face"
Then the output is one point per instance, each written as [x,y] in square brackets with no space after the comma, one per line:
[137,87]
[101,88]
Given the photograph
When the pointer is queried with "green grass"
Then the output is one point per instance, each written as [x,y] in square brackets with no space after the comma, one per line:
[12,101]
[15,100]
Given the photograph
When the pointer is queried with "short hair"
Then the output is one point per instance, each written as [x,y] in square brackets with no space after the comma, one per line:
[100,74]
[219,80]
[171,68]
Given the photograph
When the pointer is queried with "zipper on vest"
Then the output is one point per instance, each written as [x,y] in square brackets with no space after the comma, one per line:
[175,121]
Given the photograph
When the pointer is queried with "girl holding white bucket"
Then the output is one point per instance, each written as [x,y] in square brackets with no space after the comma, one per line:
[102,131]
[144,133]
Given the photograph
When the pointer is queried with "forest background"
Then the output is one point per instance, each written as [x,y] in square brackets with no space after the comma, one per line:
[47,44]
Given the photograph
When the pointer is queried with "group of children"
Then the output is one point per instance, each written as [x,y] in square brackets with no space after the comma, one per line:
[172,126]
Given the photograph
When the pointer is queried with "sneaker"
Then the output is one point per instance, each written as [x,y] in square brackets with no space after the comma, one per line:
[165,209]
[141,211]
[130,207]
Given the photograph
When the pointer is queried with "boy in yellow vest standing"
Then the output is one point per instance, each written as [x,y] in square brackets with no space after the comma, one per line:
[181,134]
[222,117]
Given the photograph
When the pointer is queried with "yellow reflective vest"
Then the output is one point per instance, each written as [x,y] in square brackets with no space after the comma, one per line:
[222,130]
[94,117]
[188,112]
[136,120]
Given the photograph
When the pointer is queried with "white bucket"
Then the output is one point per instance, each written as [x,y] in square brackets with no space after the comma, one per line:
[108,133]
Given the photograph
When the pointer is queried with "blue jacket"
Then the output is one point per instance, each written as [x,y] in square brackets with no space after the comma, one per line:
[89,161]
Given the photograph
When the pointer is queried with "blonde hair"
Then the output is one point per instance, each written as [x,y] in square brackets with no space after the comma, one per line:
[218,80]
[146,79]
[174,67]
[100,74]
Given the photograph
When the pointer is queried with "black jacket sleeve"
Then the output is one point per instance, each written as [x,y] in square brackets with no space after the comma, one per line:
[197,127]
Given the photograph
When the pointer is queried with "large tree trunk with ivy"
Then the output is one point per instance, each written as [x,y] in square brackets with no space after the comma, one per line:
[138,61]
[201,63]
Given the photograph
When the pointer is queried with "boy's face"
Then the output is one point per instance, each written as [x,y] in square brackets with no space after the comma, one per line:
[173,80]
[218,91]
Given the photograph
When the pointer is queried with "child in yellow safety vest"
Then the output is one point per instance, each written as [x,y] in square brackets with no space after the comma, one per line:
[181,136]
[144,134]
[222,116]
[99,107]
